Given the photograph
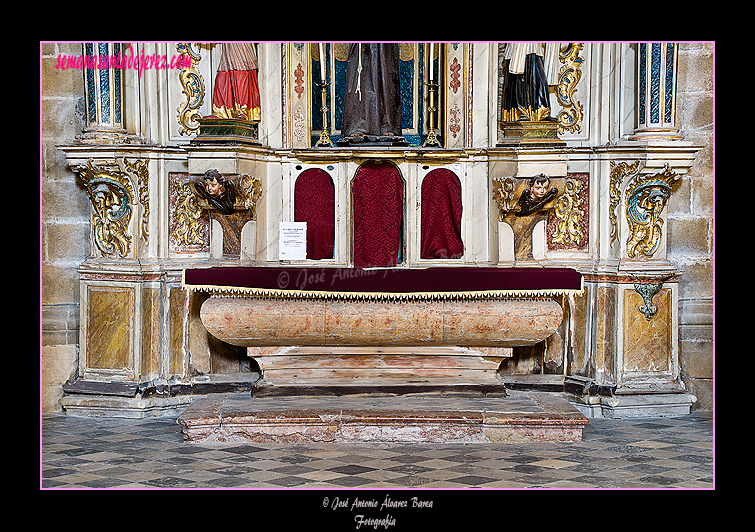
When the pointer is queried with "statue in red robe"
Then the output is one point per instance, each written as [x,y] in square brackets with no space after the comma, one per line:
[237,93]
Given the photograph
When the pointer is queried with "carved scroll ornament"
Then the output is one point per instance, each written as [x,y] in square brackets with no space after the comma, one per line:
[251,190]
[111,194]
[503,195]
[193,85]
[570,118]
[648,291]
[618,172]
[646,197]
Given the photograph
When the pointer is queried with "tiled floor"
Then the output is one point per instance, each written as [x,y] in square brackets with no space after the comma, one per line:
[117,453]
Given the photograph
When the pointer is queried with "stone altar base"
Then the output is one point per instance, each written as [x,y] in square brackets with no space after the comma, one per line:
[395,370]
[438,417]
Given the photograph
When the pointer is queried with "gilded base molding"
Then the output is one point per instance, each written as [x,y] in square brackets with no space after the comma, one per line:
[227,130]
[531,133]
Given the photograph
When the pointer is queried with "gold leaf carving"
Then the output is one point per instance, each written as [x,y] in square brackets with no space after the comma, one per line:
[569,214]
[251,188]
[618,172]
[188,231]
[503,194]
[139,168]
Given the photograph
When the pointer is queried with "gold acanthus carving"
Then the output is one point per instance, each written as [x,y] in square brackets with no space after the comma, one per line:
[568,214]
[503,195]
[187,212]
[193,85]
[139,169]
[251,190]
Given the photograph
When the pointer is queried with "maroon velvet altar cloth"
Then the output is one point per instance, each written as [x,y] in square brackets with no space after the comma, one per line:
[315,203]
[392,281]
[441,216]
[378,195]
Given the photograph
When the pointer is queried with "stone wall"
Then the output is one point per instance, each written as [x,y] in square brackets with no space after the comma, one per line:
[690,222]
[65,222]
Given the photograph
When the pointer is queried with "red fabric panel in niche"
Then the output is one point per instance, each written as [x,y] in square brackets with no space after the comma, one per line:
[378,199]
[441,216]
[315,203]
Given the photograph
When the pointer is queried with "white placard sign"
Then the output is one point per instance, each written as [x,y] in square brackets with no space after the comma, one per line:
[292,241]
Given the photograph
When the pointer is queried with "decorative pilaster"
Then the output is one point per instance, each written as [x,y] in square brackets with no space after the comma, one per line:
[656,92]
[103,87]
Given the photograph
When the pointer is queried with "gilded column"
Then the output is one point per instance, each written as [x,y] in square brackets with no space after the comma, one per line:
[103,84]
[656,92]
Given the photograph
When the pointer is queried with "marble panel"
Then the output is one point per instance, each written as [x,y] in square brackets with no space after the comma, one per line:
[110,322]
[579,363]
[605,337]
[647,343]
[150,331]
[177,299]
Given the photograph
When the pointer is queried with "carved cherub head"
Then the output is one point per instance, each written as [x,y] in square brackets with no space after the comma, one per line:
[214,183]
[217,190]
[539,185]
[537,195]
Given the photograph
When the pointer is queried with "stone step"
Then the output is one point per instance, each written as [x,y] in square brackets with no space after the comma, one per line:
[521,417]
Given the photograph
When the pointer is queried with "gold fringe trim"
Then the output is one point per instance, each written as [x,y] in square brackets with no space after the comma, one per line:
[237,111]
[279,293]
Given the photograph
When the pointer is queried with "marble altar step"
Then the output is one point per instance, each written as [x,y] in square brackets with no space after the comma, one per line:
[431,418]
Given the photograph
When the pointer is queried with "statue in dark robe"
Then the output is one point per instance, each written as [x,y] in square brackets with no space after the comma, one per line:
[529,69]
[372,99]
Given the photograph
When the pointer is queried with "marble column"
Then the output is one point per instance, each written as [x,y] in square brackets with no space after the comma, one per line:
[103,86]
[656,92]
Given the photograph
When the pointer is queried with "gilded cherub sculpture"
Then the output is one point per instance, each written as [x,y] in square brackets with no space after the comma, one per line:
[218,191]
[537,195]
